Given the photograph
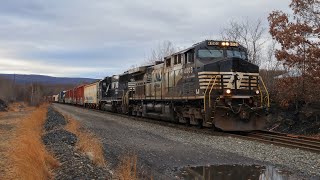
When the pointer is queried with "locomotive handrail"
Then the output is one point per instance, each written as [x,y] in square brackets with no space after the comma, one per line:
[267,93]
[205,93]
[214,82]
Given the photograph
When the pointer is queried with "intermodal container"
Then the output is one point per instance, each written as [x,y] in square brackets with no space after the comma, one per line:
[69,96]
[79,95]
[91,94]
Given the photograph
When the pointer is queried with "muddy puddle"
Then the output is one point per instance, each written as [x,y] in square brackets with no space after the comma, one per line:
[232,172]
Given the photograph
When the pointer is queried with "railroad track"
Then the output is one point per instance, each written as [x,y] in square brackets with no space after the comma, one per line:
[268,137]
[281,139]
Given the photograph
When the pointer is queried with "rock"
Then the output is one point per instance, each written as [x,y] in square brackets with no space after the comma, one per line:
[54,120]
[59,136]
[90,155]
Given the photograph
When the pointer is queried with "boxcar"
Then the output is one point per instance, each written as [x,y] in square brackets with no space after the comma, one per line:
[79,95]
[91,95]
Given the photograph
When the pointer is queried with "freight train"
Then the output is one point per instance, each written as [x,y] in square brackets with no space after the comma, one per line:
[209,84]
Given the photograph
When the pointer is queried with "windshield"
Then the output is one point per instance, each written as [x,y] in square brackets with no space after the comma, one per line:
[206,53]
[235,53]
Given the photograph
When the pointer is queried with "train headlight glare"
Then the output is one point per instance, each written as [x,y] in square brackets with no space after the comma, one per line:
[257,92]
[228,91]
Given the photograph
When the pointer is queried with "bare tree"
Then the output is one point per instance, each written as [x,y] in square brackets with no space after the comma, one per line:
[31,93]
[272,66]
[6,89]
[271,62]
[162,50]
[249,34]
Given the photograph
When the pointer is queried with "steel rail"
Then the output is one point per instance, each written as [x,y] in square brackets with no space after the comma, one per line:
[268,137]
[282,139]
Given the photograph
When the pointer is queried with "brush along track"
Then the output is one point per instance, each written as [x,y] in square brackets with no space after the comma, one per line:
[268,137]
[288,140]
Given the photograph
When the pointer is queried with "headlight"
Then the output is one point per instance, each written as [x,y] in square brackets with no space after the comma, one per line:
[257,92]
[228,91]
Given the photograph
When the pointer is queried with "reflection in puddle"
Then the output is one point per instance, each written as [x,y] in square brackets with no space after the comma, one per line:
[231,172]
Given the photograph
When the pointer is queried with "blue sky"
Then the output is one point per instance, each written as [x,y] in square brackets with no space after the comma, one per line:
[96,38]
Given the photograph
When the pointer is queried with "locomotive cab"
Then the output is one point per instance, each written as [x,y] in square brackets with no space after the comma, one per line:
[232,88]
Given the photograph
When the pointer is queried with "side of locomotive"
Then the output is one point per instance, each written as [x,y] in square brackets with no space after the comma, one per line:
[209,84]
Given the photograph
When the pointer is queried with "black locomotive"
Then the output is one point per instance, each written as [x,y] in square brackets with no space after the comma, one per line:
[210,84]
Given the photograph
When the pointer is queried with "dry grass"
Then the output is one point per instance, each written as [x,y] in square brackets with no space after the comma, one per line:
[28,157]
[87,142]
[127,168]
[17,106]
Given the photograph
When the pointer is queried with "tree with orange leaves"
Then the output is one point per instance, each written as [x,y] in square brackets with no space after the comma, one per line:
[299,37]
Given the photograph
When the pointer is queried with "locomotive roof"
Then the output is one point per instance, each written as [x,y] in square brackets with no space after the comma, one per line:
[200,44]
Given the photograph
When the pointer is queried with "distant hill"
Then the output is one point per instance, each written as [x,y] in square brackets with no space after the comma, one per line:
[24,78]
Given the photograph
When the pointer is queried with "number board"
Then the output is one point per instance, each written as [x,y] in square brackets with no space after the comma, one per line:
[213,43]
[234,44]
[218,43]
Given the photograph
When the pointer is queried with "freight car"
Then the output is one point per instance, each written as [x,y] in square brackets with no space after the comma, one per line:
[55,98]
[210,84]
[78,98]
[91,95]
[69,95]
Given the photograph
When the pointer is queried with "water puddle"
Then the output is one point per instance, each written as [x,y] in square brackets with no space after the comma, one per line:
[232,172]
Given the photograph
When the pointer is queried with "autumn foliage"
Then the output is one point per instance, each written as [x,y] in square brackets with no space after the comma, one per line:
[299,37]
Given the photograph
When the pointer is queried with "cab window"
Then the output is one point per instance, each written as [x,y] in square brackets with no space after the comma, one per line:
[210,53]
[236,53]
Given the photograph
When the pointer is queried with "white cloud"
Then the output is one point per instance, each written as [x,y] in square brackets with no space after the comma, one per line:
[37,67]
[105,32]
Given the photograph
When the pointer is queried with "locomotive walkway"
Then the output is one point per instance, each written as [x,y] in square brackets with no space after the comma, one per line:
[163,150]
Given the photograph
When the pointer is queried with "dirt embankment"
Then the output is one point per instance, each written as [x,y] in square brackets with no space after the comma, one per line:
[305,121]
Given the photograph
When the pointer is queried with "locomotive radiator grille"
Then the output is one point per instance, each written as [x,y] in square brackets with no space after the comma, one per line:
[230,80]
[132,86]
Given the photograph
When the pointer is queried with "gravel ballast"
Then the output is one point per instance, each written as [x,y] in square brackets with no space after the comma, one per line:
[55,120]
[165,149]
[73,164]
